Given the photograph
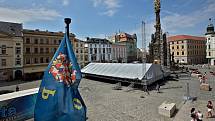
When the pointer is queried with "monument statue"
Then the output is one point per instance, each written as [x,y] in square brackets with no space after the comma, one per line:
[158,46]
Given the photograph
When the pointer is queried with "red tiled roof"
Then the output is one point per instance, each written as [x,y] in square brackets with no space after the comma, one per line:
[185,37]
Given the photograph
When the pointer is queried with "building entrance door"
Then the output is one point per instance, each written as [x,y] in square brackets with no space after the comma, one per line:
[18,74]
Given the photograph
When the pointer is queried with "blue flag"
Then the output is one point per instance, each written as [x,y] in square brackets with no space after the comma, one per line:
[58,98]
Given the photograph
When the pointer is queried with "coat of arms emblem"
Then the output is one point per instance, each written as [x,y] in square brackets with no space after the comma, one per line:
[62,71]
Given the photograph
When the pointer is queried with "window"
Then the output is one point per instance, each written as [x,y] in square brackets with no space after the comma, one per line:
[182,53]
[182,46]
[18,44]
[76,51]
[3,50]
[91,50]
[41,41]
[103,50]
[55,41]
[18,50]
[41,59]
[47,60]
[95,50]
[76,44]
[86,58]
[172,47]
[172,53]
[209,46]
[81,45]
[177,47]
[18,61]
[59,41]
[47,41]
[35,50]
[41,50]
[177,53]
[47,50]
[3,62]
[35,60]
[28,50]
[209,53]
[27,61]
[109,50]
[182,41]
[177,42]
[81,51]
[35,41]
[55,49]
[27,40]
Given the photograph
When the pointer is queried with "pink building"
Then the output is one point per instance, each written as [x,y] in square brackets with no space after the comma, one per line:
[119,53]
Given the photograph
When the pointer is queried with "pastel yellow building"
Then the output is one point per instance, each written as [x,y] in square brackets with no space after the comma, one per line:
[39,48]
[188,49]
[81,52]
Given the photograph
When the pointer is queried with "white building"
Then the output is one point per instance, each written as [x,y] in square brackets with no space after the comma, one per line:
[99,50]
[210,50]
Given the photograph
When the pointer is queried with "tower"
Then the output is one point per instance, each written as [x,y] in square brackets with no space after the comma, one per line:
[210,49]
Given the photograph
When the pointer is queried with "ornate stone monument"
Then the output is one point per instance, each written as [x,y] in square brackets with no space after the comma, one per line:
[158,47]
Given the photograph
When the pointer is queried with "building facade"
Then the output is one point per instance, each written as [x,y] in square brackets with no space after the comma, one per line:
[99,50]
[130,41]
[11,47]
[39,48]
[210,37]
[188,49]
[119,53]
[81,52]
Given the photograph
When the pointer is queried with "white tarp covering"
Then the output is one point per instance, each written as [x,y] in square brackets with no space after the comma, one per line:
[150,72]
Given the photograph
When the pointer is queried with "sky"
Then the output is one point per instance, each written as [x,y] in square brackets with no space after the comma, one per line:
[103,18]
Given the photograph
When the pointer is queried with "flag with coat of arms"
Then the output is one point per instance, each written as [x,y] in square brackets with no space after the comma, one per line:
[58,98]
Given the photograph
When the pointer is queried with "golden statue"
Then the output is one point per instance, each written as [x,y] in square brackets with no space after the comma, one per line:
[157,5]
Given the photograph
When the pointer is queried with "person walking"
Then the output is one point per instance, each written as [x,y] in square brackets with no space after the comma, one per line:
[210,108]
[158,88]
[17,88]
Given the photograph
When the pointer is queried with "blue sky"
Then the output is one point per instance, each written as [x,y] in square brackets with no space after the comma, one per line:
[102,18]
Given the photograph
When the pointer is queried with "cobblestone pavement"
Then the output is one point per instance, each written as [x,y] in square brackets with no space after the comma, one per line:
[106,104]
[202,96]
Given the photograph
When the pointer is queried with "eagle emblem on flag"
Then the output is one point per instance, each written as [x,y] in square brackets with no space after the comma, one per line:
[61,70]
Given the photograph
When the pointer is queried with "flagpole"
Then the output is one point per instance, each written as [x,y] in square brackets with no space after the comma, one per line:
[67,21]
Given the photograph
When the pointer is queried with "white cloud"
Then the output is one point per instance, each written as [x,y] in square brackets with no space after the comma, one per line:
[65,2]
[111,6]
[109,12]
[27,15]
[96,2]
[175,22]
